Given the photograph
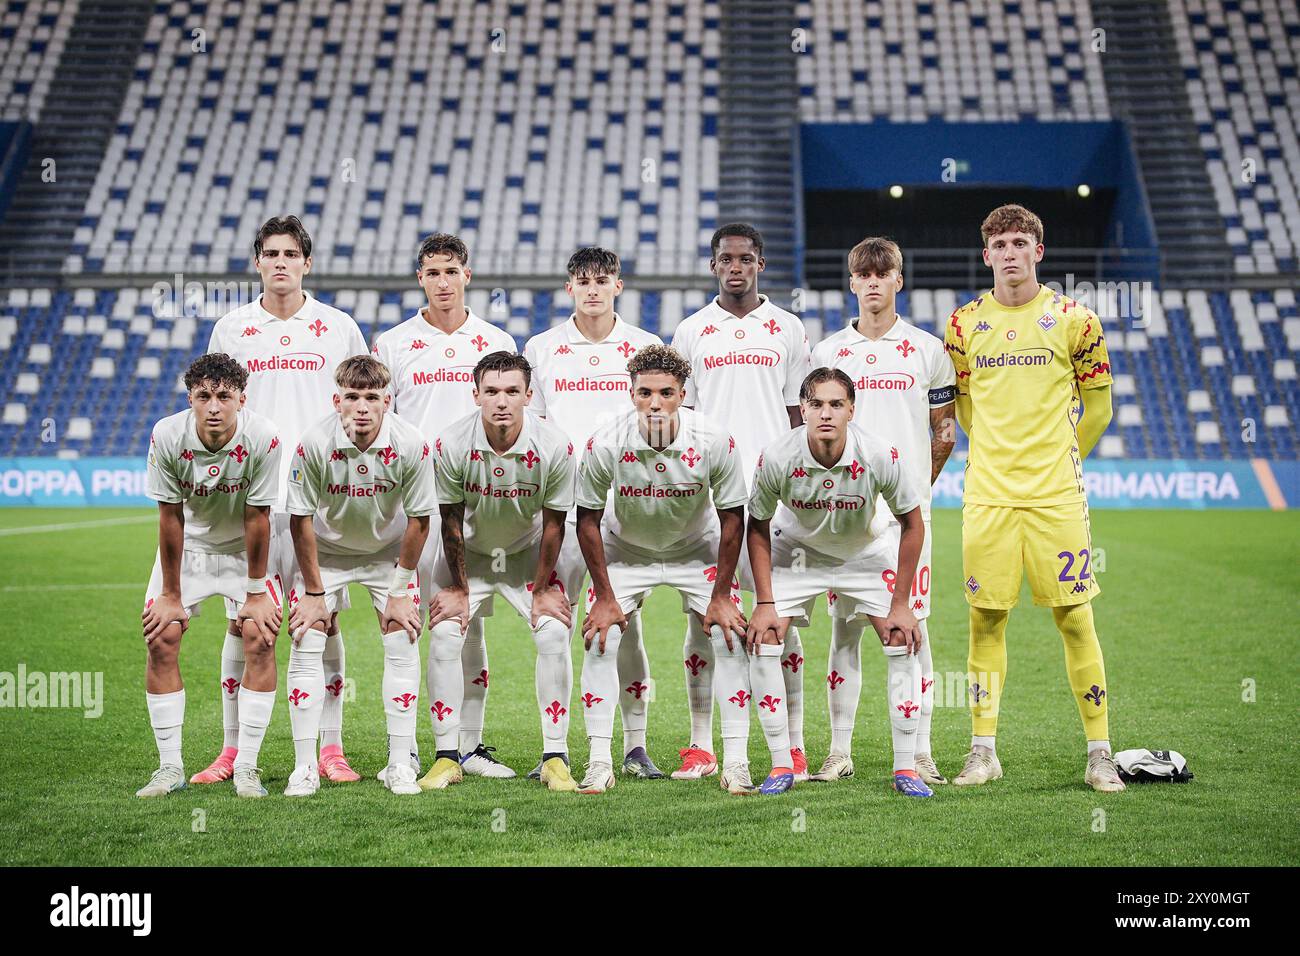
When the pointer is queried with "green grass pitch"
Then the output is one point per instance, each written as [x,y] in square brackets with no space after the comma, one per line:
[1197,619]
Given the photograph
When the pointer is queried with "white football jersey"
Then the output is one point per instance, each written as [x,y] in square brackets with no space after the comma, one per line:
[290,363]
[504,494]
[899,377]
[361,499]
[664,501]
[582,385]
[745,372]
[829,510]
[214,485]
[433,371]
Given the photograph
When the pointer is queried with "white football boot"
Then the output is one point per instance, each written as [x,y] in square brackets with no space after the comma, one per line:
[165,780]
[303,782]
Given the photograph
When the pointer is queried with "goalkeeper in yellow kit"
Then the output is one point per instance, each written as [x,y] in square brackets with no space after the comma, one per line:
[1026,357]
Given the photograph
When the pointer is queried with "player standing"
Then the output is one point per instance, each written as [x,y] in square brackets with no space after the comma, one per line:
[214,471]
[748,358]
[667,471]
[580,382]
[505,486]
[290,343]
[810,530]
[360,496]
[905,393]
[1024,356]
[431,357]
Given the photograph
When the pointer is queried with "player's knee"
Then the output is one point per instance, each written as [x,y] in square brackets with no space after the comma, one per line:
[446,642]
[312,644]
[1075,622]
[400,650]
[613,640]
[166,647]
[551,637]
[988,625]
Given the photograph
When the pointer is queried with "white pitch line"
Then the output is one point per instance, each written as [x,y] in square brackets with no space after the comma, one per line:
[105,586]
[75,525]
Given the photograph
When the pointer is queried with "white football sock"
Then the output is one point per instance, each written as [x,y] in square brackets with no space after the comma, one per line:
[599,686]
[232,677]
[769,689]
[844,682]
[305,691]
[792,672]
[698,658]
[255,708]
[167,717]
[734,696]
[990,742]
[554,683]
[401,687]
[446,681]
[474,670]
[927,691]
[634,684]
[903,675]
[331,715]
[1098,745]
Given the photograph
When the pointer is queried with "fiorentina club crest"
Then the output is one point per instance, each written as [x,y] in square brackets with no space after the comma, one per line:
[1047,322]
[906,347]
[318,327]
[388,456]
[479,342]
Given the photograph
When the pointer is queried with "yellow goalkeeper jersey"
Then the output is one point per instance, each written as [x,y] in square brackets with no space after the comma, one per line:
[1023,369]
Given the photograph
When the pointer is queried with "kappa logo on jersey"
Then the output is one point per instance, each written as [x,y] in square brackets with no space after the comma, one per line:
[1079,588]
[437,446]
[834,679]
[299,452]
[764,358]
[925,685]
[855,470]
[797,473]
[1047,322]
[893,455]
[636,689]
[475,455]
[336,687]
[708,330]
[731,445]
[564,350]
[530,459]
[591,441]
[275,443]
[440,710]
[405,700]
[419,344]
[479,342]
[690,457]
[792,662]
[983,327]
[1095,695]
[908,708]
[844,353]
[771,326]
[482,679]
[319,328]
[388,456]
[425,454]
[629,458]
[250,330]
[570,449]
[589,699]
[760,456]
[626,349]
[918,605]
[297,696]
[695,663]
[189,455]
[338,454]
[906,347]
[231,685]
[556,711]
[740,698]
[770,702]
[238,454]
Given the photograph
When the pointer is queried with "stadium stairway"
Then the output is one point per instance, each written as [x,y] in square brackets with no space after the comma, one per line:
[758,123]
[77,121]
[1145,85]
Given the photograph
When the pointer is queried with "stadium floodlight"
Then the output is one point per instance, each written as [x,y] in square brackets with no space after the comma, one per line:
[896,191]
[1084,190]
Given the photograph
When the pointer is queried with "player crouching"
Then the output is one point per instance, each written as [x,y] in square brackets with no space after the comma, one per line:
[505,484]
[360,496]
[818,486]
[214,471]
[669,470]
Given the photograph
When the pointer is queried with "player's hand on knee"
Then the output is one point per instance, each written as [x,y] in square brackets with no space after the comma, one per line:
[604,614]
[550,601]
[765,628]
[449,604]
[724,613]
[310,613]
[401,613]
[158,616]
[263,613]
[902,622]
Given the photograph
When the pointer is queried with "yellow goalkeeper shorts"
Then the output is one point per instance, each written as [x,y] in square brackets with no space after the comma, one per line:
[1053,544]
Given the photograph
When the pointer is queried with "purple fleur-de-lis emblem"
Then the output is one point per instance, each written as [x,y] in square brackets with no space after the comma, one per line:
[1095,695]
[978,693]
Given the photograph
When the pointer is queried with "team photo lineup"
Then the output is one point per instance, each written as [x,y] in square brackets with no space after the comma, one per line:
[441,468]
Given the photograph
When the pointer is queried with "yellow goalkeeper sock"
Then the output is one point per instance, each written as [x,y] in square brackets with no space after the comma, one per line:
[1084,664]
[987,663]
